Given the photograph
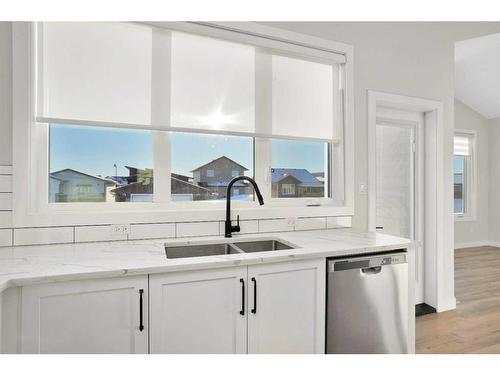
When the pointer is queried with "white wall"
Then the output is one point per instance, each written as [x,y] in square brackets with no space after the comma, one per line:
[473,233]
[5,93]
[494,182]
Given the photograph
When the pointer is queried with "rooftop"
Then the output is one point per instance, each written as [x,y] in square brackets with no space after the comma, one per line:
[305,177]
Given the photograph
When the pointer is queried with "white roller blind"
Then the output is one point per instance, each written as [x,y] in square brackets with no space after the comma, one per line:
[213,84]
[95,71]
[462,145]
[302,98]
[132,75]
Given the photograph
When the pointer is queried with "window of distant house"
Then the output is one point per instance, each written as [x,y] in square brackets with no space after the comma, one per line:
[300,168]
[235,173]
[463,175]
[84,189]
[288,189]
[210,173]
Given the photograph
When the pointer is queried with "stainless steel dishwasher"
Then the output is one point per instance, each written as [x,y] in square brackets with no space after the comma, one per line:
[367,304]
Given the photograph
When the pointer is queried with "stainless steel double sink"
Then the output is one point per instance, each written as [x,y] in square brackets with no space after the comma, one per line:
[202,249]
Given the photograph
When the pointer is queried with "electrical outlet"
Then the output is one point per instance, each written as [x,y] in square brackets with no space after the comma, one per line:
[291,221]
[363,188]
[119,229]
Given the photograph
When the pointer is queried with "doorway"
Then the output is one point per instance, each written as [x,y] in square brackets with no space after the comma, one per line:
[399,181]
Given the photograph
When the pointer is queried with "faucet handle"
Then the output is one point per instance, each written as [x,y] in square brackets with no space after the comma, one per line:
[236,228]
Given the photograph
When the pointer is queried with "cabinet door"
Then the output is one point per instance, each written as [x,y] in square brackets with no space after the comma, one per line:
[287,314]
[89,316]
[199,311]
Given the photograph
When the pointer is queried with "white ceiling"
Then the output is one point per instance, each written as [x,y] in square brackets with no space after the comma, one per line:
[477,74]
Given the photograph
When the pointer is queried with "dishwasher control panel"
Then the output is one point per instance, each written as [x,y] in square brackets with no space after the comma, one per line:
[395,259]
[364,261]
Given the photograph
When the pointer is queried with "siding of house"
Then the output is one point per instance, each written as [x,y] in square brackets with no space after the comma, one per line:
[223,168]
[78,187]
[183,188]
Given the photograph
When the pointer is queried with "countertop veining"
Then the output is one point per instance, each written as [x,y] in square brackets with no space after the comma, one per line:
[26,265]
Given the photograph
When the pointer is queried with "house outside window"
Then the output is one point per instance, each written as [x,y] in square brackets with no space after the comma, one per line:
[210,172]
[464,175]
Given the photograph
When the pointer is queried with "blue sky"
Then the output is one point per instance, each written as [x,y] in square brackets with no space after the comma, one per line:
[94,150]
[458,164]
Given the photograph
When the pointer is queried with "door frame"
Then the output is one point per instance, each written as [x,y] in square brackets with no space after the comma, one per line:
[435,267]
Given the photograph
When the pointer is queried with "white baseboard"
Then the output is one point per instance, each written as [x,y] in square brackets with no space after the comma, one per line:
[464,245]
[451,304]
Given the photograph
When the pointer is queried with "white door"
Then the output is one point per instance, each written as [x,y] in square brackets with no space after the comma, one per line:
[286,304]
[199,311]
[88,316]
[399,181]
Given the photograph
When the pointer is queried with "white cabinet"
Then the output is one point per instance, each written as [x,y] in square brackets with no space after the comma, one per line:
[214,311]
[265,308]
[199,311]
[89,316]
[287,312]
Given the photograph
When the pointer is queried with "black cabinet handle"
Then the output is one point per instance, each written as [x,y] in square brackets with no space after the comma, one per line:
[242,311]
[254,310]
[141,324]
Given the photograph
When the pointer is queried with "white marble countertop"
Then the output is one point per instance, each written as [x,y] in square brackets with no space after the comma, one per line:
[25,265]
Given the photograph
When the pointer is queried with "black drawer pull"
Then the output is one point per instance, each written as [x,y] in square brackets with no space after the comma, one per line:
[254,310]
[141,324]
[242,311]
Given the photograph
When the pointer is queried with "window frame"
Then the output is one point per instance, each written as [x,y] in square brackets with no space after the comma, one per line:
[470,178]
[31,164]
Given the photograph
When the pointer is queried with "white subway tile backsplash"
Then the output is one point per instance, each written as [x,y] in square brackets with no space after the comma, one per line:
[274,225]
[5,169]
[334,222]
[208,228]
[140,231]
[95,233]
[5,219]
[5,184]
[308,223]
[5,201]
[246,226]
[40,236]
[5,237]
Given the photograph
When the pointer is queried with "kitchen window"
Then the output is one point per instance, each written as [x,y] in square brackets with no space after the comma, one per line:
[146,117]
[464,180]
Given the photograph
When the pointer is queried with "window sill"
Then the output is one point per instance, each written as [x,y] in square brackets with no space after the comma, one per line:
[459,218]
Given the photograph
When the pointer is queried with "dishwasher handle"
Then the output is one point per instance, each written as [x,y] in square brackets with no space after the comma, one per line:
[371,270]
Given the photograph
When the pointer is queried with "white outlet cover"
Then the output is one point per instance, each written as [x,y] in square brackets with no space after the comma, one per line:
[119,229]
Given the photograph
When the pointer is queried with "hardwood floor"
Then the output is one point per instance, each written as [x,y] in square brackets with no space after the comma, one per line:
[474,327]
